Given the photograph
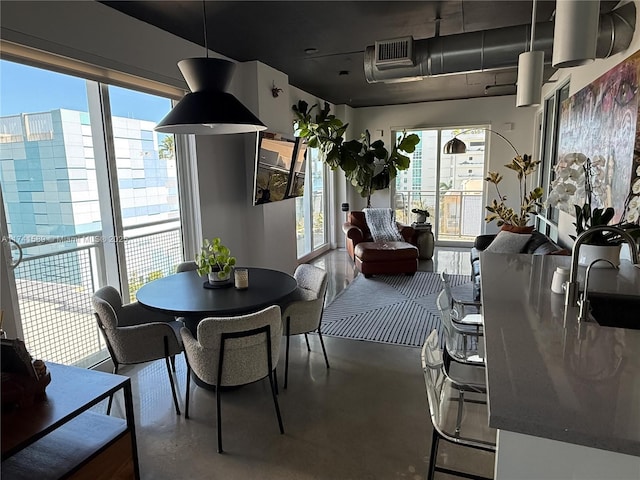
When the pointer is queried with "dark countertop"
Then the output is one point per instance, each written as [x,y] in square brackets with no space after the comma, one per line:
[549,376]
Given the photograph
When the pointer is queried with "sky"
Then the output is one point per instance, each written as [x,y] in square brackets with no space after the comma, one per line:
[25,89]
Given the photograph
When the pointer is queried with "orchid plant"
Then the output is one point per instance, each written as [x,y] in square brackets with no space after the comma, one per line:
[578,187]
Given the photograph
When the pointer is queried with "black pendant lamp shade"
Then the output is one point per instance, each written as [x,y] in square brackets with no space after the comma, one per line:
[208,109]
[455,146]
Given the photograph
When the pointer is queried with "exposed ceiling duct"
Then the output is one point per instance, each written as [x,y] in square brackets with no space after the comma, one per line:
[485,50]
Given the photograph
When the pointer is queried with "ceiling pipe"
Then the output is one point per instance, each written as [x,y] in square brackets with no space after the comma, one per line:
[494,49]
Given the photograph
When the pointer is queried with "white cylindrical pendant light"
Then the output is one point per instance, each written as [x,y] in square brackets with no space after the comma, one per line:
[529,86]
[575,32]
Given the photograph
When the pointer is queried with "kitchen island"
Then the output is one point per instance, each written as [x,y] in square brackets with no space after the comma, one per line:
[564,395]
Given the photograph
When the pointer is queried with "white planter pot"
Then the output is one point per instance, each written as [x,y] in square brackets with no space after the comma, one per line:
[590,253]
[215,280]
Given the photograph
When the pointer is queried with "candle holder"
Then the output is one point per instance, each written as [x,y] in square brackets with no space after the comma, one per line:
[241,277]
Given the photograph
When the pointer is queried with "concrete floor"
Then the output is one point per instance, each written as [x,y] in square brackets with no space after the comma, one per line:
[365,418]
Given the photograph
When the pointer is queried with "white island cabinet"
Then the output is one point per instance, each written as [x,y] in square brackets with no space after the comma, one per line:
[564,395]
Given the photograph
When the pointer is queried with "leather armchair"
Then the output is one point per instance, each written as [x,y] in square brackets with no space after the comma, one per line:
[356,231]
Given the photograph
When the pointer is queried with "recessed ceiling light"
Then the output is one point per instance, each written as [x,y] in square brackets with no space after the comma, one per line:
[310,50]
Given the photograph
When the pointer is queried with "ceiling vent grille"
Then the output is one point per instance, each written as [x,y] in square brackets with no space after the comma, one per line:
[396,52]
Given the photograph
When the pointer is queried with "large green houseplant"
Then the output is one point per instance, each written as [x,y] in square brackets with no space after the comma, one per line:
[368,165]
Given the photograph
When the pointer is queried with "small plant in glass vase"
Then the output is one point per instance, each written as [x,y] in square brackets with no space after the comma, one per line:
[215,260]
[499,210]
[573,191]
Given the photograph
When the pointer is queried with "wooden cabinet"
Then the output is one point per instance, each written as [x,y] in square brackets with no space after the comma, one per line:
[62,437]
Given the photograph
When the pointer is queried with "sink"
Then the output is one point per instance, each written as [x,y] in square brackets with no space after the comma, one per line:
[611,310]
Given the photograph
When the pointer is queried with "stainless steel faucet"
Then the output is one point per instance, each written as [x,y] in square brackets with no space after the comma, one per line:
[573,287]
[585,307]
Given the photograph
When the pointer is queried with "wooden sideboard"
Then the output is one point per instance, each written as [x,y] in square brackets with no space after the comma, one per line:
[63,437]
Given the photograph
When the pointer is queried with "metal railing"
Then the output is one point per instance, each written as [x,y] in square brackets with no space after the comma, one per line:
[458,218]
[58,275]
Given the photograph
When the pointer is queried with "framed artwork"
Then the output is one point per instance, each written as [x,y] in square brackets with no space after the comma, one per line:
[601,122]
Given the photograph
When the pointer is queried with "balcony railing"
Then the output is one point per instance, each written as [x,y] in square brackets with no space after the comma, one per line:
[460,213]
[58,275]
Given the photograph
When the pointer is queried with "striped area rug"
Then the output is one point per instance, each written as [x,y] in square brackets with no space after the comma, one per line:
[395,309]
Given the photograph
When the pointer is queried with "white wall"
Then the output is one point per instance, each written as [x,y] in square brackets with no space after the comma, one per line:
[494,111]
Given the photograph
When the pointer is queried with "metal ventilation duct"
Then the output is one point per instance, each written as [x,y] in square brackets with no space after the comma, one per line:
[491,49]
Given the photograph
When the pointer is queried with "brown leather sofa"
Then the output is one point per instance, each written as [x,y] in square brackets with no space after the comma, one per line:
[379,257]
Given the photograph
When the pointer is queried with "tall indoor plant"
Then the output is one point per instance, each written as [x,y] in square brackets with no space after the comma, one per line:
[368,165]
[499,210]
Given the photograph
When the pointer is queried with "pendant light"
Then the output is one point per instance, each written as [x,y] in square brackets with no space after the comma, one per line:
[455,146]
[208,109]
[530,71]
[575,33]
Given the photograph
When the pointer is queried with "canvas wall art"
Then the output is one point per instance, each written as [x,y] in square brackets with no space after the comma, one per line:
[601,122]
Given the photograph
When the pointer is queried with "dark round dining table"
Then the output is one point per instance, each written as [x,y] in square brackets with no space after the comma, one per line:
[184,295]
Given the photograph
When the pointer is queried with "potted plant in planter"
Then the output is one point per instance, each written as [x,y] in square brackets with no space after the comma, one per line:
[215,260]
[502,213]
[421,214]
[575,179]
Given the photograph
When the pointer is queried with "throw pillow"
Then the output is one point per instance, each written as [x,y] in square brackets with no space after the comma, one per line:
[508,242]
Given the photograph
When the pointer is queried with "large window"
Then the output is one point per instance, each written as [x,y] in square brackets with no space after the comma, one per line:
[90,193]
[449,186]
[311,208]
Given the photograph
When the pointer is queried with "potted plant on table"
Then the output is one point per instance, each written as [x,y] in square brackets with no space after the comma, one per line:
[215,260]
[576,179]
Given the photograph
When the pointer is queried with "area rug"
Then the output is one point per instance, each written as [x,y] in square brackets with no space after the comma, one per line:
[396,309]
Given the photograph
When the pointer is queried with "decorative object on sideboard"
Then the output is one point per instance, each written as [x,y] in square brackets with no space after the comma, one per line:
[215,261]
[577,179]
[24,379]
[368,165]
[421,214]
[208,109]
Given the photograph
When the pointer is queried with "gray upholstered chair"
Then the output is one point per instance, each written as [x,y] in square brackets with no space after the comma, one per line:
[304,314]
[232,351]
[135,334]
[457,418]
[186,266]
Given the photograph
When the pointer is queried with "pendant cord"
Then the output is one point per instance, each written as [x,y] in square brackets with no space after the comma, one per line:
[204,17]
[533,25]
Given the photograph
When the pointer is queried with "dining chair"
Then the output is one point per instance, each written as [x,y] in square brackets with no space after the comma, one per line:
[134,334]
[233,351]
[460,308]
[304,314]
[186,266]
[456,418]
[461,341]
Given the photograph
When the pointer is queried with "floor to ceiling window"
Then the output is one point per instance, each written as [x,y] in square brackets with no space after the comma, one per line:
[450,187]
[311,208]
[90,194]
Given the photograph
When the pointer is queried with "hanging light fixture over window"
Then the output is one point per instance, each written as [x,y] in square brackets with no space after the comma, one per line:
[530,71]
[208,109]
[575,33]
